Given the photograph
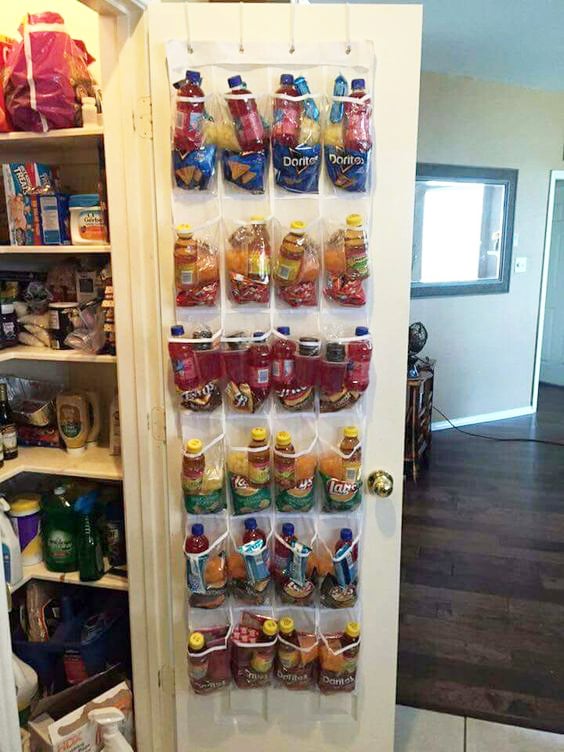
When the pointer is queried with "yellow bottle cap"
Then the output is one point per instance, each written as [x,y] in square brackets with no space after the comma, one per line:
[184,230]
[286,625]
[350,432]
[197,641]
[258,219]
[283,438]
[298,226]
[194,446]
[354,220]
[258,434]
[270,628]
[353,630]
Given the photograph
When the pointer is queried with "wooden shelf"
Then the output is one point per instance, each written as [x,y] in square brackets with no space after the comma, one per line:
[23,352]
[59,139]
[96,462]
[46,249]
[40,572]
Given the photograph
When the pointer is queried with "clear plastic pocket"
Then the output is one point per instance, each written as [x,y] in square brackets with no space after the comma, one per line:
[193,139]
[196,370]
[346,262]
[203,479]
[333,395]
[249,560]
[340,471]
[206,571]
[246,369]
[296,653]
[248,261]
[295,472]
[209,669]
[253,653]
[196,265]
[249,472]
[338,652]
[338,560]
[296,267]
[294,563]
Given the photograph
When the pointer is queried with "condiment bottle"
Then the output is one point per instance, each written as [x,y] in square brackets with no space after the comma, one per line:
[283,360]
[350,446]
[185,258]
[358,369]
[284,461]
[291,254]
[193,466]
[259,461]
[356,248]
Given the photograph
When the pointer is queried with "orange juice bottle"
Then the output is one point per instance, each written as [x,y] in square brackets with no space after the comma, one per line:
[259,250]
[193,466]
[284,467]
[291,254]
[352,463]
[185,258]
[356,248]
[259,462]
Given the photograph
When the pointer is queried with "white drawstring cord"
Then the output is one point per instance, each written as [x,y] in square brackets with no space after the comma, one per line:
[348,28]
[188,31]
[241,47]
[292,27]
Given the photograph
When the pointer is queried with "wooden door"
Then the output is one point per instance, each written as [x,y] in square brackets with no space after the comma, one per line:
[552,362]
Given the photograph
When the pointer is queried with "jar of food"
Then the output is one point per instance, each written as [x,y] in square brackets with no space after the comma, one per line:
[87,222]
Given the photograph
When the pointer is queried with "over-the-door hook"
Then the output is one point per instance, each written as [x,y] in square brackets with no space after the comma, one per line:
[188,30]
[292,27]
[348,46]
[241,47]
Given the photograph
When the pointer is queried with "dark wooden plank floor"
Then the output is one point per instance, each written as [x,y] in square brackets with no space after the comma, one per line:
[482,590]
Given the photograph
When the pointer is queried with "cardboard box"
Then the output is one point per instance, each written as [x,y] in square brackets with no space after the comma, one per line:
[20,181]
[60,723]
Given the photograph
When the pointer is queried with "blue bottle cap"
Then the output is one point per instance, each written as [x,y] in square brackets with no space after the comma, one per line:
[258,334]
[346,534]
[286,79]
[361,331]
[198,529]
[283,330]
[250,523]
[177,330]
[234,82]
[287,530]
[194,77]
[358,83]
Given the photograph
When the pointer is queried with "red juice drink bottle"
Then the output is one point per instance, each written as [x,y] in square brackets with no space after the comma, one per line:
[188,134]
[345,541]
[283,359]
[258,360]
[333,369]
[282,553]
[246,117]
[287,113]
[197,543]
[358,369]
[357,136]
[307,366]
[252,531]
[183,359]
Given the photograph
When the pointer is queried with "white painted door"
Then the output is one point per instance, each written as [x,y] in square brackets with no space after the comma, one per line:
[552,362]
[277,719]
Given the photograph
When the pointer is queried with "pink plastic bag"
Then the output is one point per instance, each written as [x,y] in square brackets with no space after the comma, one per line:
[46,76]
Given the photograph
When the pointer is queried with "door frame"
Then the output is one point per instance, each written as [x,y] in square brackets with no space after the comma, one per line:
[555,176]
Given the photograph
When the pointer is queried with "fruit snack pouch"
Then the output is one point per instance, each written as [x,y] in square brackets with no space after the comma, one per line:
[346,262]
[205,551]
[338,559]
[243,137]
[249,561]
[295,465]
[196,367]
[248,261]
[295,666]
[203,475]
[348,136]
[194,135]
[246,370]
[196,265]
[340,470]
[338,657]
[209,654]
[294,564]
[249,469]
[296,265]
[296,136]
[254,639]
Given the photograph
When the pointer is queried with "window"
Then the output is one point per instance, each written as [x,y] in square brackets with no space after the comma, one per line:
[463,230]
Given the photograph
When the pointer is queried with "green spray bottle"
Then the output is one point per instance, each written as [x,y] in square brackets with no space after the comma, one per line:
[89,541]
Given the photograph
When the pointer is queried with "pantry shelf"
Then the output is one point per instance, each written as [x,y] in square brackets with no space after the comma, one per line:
[40,572]
[23,352]
[60,139]
[47,249]
[96,462]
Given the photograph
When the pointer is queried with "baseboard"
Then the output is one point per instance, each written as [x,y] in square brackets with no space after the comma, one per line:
[515,412]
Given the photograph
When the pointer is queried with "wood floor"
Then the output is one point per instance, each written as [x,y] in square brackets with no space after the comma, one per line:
[482,590]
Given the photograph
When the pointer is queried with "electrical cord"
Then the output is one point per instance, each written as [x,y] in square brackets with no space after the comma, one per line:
[498,438]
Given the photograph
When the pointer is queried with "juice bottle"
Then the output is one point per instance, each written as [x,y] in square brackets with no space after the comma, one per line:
[358,370]
[185,258]
[284,466]
[252,531]
[351,636]
[291,254]
[357,136]
[283,359]
[287,113]
[333,370]
[350,445]
[283,554]
[311,110]
[259,462]
[258,360]
[259,250]
[246,117]
[184,366]
[193,466]
[197,665]
[263,658]
[356,248]
[197,543]
[306,370]
[345,540]
[188,133]
[288,658]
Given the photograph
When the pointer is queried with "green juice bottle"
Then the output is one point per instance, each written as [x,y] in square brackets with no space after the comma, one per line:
[58,526]
[89,540]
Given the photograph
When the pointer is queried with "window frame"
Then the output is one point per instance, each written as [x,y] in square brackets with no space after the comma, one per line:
[487,175]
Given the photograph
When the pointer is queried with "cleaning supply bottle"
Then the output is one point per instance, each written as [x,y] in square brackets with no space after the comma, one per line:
[11,553]
[109,719]
[58,528]
[89,540]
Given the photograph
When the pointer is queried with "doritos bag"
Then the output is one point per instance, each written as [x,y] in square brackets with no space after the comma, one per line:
[46,76]
[5,47]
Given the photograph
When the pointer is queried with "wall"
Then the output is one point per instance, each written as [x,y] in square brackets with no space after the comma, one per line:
[485,344]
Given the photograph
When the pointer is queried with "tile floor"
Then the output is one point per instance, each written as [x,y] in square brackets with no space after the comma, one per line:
[424,731]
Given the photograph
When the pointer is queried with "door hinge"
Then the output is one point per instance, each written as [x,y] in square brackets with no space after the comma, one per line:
[143,118]
[158,424]
[167,679]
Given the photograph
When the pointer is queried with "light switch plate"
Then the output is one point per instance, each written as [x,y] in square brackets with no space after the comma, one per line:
[520,264]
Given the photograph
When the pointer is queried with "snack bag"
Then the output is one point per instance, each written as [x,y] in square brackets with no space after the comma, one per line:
[249,562]
[248,262]
[249,474]
[196,367]
[294,475]
[253,643]
[338,658]
[346,263]
[5,47]
[340,469]
[196,267]
[296,267]
[296,151]
[206,570]
[338,563]
[294,564]
[296,656]
[202,476]
[194,132]
[46,76]
[348,136]
[209,659]
[243,137]
[246,370]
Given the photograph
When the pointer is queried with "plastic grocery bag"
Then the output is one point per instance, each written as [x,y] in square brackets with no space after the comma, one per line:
[46,76]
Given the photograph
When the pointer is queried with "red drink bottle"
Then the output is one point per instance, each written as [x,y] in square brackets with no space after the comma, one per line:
[346,539]
[287,113]
[188,134]
[357,136]
[307,364]
[183,359]
[282,554]
[197,543]
[333,368]
[246,117]
[252,532]
[358,370]
[258,360]
[283,359]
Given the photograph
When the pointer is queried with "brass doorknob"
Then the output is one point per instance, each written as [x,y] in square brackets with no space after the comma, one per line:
[380,483]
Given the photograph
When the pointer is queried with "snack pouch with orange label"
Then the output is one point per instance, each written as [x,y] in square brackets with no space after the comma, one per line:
[297,494]
[339,494]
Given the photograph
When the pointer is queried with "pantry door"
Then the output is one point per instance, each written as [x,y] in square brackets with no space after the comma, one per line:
[275,719]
